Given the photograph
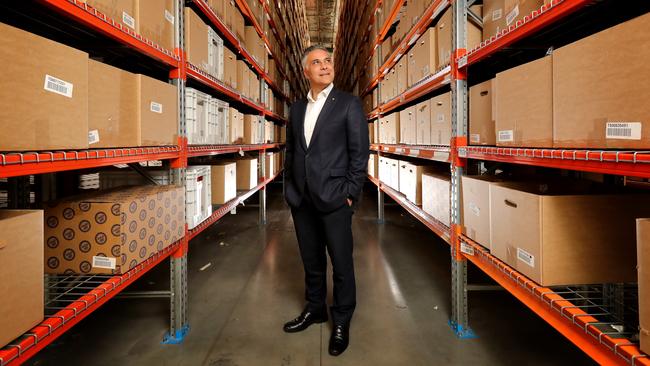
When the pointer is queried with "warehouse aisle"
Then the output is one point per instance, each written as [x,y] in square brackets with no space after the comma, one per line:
[242,291]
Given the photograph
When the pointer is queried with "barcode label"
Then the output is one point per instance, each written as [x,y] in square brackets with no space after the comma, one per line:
[58,86]
[169,16]
[526,257]
[156,107]
[128,19]
[623,130]
[93,137]
[466,248]
[475,138]
[474,208]
[506,136]
[512,15]
[497,14]
[103,262]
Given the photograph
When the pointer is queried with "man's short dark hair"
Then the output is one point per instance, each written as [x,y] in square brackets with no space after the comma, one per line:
[309,49]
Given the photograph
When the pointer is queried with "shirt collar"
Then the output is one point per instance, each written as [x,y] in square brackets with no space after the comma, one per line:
[325,93]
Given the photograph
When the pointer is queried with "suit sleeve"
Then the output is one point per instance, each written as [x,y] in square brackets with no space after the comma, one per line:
[358,148]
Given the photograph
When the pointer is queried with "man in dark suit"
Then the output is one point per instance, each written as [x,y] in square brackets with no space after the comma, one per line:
[326,165]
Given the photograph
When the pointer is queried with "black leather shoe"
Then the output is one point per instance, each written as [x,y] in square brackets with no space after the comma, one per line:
[339,340]
[303,321]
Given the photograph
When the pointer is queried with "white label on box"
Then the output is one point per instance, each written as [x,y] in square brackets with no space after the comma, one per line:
[512,15]
[474,208]
[466,248]
[475,137]
[497,14]
[128,19]
[526,257]
[169,16]
[156,107]
[93,137]
[58,86]
[506,136]
[103,262]
[623,130]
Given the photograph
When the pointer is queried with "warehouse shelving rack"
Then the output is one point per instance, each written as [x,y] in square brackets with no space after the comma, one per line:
[72,298]
[578,313]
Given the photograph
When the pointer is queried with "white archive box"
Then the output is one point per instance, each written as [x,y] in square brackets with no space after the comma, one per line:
[215,54]
[200,116]
[198,194]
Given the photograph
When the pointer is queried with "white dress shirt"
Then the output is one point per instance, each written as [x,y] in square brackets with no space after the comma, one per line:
[314,106]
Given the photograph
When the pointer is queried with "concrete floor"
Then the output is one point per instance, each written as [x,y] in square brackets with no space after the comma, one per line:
[254,284]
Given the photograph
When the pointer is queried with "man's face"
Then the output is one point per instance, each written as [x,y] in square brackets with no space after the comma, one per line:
[320,68]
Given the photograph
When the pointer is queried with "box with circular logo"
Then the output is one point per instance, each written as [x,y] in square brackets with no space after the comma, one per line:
[113,231]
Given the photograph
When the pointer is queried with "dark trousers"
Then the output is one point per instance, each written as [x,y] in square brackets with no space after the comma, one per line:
[318,232]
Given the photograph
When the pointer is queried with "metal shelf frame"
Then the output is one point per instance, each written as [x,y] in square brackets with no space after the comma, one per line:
[210,150]
[435,153]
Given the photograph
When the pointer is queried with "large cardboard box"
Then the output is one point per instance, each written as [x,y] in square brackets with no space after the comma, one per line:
[444,39]
[111,232]
[156,21]
[435,196]
[112,107]
[643,268]
[196,40]
[236,126]
[21,270]
[393,169]
[423,59]
[238,22]
[246,174]
[494,20]
[255,46]
[392,128]
[402,75]
[423,118]
[43,100]
[224,182]
[441,119]
[121,11]
[243,78]
[252,133]
[475,198]
[408,126]
[410,181]
[481,114]
[269,165]
[230,66]
[373,165]
[158,112]
[595,107]
[555,235]
[524,102]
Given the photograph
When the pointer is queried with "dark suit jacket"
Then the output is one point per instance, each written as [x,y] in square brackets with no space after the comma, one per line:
[336,162]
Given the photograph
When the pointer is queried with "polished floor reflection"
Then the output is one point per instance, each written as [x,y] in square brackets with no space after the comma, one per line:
[246,281]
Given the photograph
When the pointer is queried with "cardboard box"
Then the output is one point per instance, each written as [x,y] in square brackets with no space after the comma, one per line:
[243,78]
[236,133]
[246,174]
[402,75]
[21,270]
[224,182]
[423,118]
[158,112]
[156,21]
[441,119]
[481,114]
[269,165]
[435,196]
[121,11]
[408,126]
[383,172]
[196,40]
[597,108]
[219,8]
[238,23]
[112,107]
[518,9]
[230,66]
[252,133]
[475,198]
[563,237]
[46,108]
[423,58]
[111,232]
[410,181]
[255,46]
[524,102]
[393,169]
[444,39]
[373,165]
[643,268]
[494,20]
[392,128]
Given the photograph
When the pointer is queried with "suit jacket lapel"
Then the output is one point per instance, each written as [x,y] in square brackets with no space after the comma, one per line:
[327,109]
[300,122]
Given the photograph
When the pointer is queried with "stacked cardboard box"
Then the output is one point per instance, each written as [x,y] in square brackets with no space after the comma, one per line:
[436,196]
[246,173]
[21,270]
[224,182]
